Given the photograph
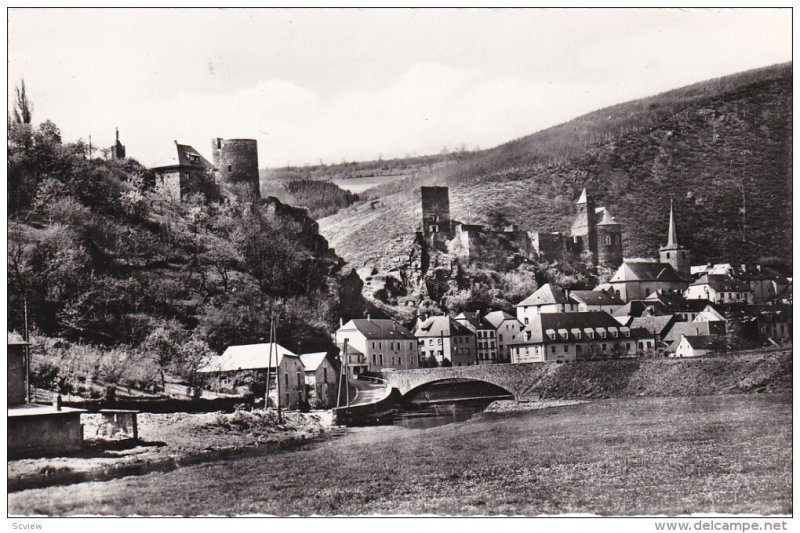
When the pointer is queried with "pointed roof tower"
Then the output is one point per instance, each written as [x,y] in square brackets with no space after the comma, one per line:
[672,235]
[582,199]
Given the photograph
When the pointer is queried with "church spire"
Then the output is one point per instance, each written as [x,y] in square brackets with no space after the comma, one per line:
[582,199]
[117,130]
[672,237]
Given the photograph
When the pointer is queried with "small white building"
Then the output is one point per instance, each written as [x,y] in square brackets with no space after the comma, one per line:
[506,328]
[321,379]
[596,301]
[720,289]
[694,346]
[546,299]
[285,366]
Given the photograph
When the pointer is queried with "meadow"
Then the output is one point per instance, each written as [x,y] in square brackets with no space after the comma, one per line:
[634,456]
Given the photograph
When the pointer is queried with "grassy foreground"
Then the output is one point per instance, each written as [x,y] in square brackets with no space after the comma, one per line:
[710,454]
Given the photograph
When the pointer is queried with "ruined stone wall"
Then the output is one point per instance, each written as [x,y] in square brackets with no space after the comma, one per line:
[435,209]
[168,184]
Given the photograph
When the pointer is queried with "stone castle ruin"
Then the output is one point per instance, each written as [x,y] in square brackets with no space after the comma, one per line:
[594,231]
[234,170]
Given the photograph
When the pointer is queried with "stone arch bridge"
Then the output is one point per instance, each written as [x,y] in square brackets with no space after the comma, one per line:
[521,380]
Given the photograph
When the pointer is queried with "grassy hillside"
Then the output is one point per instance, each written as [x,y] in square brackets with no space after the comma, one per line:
[720,149]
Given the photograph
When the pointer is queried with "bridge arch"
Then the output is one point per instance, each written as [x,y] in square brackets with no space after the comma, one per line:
[417,390]
[519,380]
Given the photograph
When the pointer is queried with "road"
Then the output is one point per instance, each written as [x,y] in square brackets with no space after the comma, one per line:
[365,392]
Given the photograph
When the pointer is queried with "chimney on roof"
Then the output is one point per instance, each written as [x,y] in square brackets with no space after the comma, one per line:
[175,141]
[341,322]
[368,318]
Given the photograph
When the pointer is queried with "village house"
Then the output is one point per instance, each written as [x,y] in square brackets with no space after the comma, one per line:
[572,336]
[385,343]
[720,289]
[189,173]
[694,346]
[321,379]
[485,336]
[506,328]
[546,299]
[596,301]
[448,342]
[355,361]
[774,322]
[285,366]
[657,327]
[693,329]
[676,303]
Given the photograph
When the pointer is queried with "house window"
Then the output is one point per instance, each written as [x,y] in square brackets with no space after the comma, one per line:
[553,349]
[526,320]
[608,239]
[566,348]
[286,375]
[667,255]
[373,359]
[299,381]
[325,375]
[230,168]
[381,358]
[605,346]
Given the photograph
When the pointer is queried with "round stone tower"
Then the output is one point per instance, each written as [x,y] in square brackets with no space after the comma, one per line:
[236,161]
[609,242]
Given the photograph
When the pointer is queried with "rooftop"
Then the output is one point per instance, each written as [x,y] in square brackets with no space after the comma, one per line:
[544,295]
[441,326]
[247,357]
[379,328]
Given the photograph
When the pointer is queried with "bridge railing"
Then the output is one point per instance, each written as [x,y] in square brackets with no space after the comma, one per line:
[372,379]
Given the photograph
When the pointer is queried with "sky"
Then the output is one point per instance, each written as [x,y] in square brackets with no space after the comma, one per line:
[313,85]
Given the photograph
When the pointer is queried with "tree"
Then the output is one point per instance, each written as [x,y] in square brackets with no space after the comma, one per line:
[23,109]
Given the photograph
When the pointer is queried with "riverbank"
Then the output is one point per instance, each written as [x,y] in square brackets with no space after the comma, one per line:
[167,441]
[634,456]
[513,406]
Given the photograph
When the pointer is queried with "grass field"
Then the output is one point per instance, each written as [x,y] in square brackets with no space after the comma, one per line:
[644,456]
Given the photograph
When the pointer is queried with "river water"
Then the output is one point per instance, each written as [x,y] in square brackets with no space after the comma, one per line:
[439,414]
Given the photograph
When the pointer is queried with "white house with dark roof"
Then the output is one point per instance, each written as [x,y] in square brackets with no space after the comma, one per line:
[506,328]
[562,337]
[445,340]
[546,299]
[384,343]
[485,336]
[285,365]
[693,346]
[720,289]
[188,172]
[596,301]
[321,379]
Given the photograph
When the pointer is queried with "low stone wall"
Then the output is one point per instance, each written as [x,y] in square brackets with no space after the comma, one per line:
[111,424]
[44,433]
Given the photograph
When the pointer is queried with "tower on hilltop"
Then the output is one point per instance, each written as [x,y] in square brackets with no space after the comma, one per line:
[435,210]
[236,161]
[584,228]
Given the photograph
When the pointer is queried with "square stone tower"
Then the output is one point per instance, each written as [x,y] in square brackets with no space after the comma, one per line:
[435,210]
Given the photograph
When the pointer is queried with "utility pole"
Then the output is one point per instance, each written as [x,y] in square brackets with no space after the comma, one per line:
[269,366]
[27,354]
[274,334]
